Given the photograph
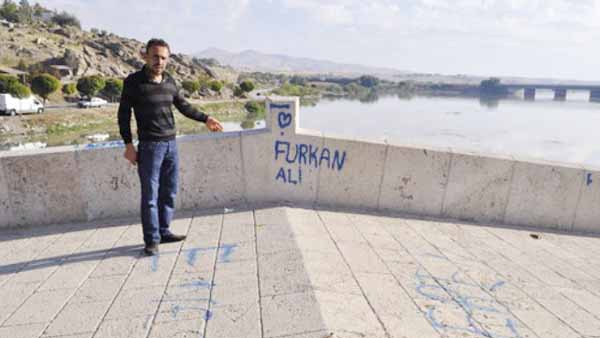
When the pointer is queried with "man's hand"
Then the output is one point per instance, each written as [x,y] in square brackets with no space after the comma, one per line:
[213,124]
[130,153]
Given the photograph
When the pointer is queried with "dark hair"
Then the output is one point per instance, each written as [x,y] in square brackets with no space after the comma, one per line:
[157,42]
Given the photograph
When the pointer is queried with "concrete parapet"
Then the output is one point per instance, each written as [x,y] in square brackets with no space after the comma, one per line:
[415,180]
[478,188]
[211,171]
[544,195]
[351,172]
[110,185]
[286,164]
[6,210]
[587,216]
[44,188]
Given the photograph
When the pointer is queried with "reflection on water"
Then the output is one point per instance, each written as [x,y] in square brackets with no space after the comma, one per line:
[544,128]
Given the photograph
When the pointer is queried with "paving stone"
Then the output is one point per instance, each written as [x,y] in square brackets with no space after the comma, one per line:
[98,289]
[178,329]
[291,314]
[323,274]
[77,318]
[135,303]
[22,331]
[41,307]
[125,328]
[282,273]
[234,321]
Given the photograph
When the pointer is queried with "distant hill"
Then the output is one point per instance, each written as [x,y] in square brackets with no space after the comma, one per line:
[251,60]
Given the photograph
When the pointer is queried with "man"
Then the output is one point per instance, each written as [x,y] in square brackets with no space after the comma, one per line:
[151,92]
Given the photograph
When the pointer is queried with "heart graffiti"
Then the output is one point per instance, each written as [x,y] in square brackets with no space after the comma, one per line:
[284,119]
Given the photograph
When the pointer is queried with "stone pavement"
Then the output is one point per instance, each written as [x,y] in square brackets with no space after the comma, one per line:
[299,273]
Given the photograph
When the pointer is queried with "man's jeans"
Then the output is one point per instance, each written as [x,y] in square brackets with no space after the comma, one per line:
[157,168]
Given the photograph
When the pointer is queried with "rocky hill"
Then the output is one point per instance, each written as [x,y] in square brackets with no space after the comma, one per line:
[39,45]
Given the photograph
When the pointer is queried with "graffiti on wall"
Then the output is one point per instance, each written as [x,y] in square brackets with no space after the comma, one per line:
[299,156]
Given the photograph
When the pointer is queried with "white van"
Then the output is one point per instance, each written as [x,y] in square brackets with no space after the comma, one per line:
[10,105]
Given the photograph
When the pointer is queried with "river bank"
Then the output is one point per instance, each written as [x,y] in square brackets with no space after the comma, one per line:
[71,126]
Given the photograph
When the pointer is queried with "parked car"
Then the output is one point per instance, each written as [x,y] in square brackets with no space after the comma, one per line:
[92,103]
[11,105]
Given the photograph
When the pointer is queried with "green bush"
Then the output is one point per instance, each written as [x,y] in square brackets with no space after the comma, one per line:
[238,92]
[368,81]
[298,80]
[253,107]
[112,89]
[204,81]
[216,85]
[247,86]
[90,85]
[44,85]
[191,86]
[295,90]
[9,11]
[11,85]
[69,89]
[20,91]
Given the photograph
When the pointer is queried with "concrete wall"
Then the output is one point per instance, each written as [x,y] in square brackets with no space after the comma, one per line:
[287,164]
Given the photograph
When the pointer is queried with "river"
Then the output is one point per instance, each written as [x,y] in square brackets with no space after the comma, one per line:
[541,129]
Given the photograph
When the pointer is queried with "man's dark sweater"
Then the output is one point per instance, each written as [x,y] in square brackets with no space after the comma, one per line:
[152,103]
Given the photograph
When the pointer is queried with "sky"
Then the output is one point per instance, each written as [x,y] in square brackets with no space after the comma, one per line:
[529,38]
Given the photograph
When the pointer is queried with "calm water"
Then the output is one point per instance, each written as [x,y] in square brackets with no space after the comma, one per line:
[544,129]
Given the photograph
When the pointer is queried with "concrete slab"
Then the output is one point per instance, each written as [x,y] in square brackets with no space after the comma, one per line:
[414,180]
[35,199]
[287,172]
[587,216]
[365,275]
[211,172]
[544,195]
[351,173]
[111,185]
[7,217]
[478,188]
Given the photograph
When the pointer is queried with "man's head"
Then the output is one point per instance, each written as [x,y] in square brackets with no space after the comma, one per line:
[157,56]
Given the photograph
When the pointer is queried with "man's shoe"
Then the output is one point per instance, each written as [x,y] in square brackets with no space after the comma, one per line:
[170,238]
[151,249]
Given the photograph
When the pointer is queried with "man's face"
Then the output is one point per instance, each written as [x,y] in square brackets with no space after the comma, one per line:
[156,59]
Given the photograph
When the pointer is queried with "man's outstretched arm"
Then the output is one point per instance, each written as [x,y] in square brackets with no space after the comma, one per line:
[190,111]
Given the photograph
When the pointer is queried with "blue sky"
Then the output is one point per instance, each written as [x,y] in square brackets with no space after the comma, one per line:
[534,38]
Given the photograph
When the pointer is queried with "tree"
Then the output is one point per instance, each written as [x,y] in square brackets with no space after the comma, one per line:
[69,89]
[25,12]
[38,11]
[238,92]
[492,87]
[298,80]
[113,89]
[191,86]
[22,66]
[44,85]
[65,19]
[9,11]
[216,86]
[90,85]
[11,85]
[204,80]
[368,81]
[247,86]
